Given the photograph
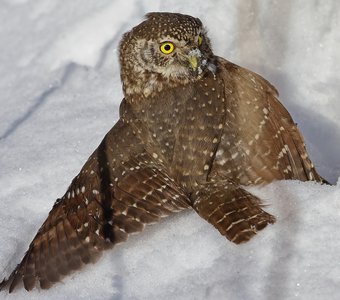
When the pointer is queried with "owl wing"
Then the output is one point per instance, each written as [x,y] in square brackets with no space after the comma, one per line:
[104,204]
[269,143]
[260,143]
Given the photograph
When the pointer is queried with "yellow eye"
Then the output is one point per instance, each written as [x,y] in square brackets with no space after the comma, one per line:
[167,47]
[199,40]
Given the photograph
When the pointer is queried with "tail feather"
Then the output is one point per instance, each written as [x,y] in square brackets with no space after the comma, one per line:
[235,213]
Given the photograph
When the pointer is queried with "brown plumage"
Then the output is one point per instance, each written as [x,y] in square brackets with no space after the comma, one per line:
[193,129]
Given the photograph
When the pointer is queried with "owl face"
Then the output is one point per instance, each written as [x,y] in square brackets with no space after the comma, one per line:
[173,57]
[165,47]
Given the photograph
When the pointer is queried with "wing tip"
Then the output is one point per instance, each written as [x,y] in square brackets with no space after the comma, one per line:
[11,283]
[3,284]
[7,284]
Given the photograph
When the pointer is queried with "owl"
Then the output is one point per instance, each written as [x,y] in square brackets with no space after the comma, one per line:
[194,130]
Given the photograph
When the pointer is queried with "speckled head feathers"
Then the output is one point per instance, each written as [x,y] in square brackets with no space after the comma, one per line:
[146,70]
[160,25]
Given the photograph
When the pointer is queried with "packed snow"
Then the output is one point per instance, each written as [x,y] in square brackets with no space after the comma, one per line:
[60,92]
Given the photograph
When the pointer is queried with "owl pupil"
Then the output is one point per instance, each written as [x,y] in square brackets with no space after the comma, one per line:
[167,47]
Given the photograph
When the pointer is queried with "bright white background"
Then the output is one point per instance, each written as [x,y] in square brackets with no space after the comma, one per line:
[59,95]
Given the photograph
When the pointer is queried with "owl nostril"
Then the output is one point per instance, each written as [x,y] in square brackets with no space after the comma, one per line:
[195,52]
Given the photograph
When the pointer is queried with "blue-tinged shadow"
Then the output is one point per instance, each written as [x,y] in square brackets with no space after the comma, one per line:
[42,99]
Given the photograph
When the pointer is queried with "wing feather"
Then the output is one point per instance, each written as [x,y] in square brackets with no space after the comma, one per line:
[104,204]
[269,143]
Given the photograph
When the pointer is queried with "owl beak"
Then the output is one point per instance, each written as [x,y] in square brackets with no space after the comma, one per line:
[194,58]
[193,62]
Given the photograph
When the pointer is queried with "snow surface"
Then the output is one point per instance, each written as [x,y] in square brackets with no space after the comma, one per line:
[59,95]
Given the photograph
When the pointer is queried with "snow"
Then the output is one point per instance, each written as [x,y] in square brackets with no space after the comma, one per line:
[59,94]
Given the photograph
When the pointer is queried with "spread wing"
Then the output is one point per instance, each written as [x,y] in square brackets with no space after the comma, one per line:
[267,143]
[115,194]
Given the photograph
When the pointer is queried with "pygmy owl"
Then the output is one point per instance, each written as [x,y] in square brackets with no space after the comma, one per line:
[194,129]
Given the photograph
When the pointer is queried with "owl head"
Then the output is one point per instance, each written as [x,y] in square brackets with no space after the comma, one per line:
[165,49]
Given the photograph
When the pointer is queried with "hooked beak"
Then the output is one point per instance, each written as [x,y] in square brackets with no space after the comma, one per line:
[193,62]
[195,59]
